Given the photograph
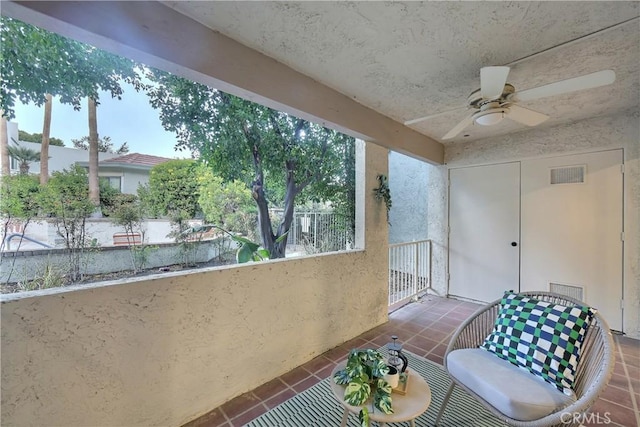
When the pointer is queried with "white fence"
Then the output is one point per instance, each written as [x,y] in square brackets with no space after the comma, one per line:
[319,232]
[409,271]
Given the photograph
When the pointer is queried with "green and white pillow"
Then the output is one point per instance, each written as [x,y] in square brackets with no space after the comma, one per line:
[541,337]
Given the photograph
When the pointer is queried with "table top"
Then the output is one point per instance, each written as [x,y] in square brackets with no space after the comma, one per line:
[405,407]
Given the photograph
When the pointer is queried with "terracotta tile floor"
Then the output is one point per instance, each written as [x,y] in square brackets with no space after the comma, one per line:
[424,328]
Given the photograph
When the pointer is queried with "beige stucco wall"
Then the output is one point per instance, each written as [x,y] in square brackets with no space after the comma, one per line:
[621,131]
[164,350]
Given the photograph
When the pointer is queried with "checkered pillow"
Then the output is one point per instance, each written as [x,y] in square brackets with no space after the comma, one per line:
[541,337]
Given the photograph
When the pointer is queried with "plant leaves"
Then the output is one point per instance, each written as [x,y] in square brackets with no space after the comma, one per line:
[244,254]
[341,377]
[357,392]
[382,397]
[281,237]
[263,253]
[252,245]
[363,417]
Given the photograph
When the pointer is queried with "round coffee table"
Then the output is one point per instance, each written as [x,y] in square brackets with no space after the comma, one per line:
[406,407]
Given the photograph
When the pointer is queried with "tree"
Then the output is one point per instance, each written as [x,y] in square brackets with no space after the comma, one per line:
[46,131]
[64,198]
[104,145]
[279,157]
[173,190]
[37,138]
[4,146]
[24,156]
[36,62]
[228,205]
[18,205]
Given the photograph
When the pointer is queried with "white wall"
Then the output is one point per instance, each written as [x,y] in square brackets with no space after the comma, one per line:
[61,157]
[407,183]
[621,131]
[164,350]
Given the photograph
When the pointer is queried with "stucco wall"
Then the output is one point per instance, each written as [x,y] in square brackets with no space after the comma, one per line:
[408,216]
[621,131]
[164,350]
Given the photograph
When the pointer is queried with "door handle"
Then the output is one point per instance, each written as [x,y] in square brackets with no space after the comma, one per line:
[514,244]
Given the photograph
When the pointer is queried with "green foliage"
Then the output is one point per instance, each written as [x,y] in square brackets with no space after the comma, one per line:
[66,194]
[126,211]
[173,190]
[37,138]
[228,204]
[23,155]
[19,196]
[363,377]
[382,192]
[280,158]
[51,277]
[110,197]
[65,199]
[35,62]
[104,145]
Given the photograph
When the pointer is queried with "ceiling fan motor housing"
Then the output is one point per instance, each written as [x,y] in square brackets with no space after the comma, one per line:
[476,100]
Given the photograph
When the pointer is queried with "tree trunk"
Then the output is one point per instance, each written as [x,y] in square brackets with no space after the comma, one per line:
[46,131]
[4,145]
[287,216]
[24,168]
[94,185]
[264,220]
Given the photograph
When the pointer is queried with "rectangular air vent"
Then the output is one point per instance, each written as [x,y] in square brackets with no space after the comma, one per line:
[576,292]
[568,174]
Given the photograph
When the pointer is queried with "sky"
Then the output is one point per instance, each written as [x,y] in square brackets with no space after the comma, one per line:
[130,120]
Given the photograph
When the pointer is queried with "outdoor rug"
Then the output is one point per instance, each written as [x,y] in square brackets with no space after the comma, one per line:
[317,407]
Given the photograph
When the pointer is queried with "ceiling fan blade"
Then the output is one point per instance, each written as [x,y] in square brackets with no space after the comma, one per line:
[420,119]
[526,116]
[588,81]
[459,127]
[492,80]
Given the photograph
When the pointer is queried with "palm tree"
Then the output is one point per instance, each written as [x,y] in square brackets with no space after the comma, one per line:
[23,155]
[4,145]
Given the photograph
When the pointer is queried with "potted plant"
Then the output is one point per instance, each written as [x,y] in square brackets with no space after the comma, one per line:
[363,376]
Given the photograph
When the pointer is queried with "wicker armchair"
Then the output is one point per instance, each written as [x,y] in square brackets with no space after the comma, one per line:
[592,375]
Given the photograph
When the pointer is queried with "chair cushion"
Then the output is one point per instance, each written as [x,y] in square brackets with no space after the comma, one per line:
[511,390]
[541,337]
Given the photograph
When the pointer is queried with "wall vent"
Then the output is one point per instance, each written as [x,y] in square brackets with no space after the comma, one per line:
[576,292]
[568,174]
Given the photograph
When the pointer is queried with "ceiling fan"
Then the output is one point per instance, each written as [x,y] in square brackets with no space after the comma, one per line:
[497,99]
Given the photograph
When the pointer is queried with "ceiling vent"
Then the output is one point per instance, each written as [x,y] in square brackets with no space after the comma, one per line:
[568,175]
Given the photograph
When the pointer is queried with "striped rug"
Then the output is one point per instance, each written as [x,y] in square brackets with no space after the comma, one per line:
[317,407]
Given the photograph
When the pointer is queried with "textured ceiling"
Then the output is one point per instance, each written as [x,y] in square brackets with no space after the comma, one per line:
[412,59]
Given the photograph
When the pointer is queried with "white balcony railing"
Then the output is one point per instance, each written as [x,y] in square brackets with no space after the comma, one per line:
[409,271]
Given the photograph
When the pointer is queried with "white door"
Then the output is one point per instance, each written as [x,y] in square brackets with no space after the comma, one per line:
[484,227]
[571,229]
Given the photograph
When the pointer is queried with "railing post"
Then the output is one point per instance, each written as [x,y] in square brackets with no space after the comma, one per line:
[416,260]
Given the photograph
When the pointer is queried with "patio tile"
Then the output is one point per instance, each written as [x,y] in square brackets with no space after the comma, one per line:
[305,384]
[295,376]
[618,396]
[317,364]
[618,414]
[236,406]
[249,415]
[269,389]
[213,418]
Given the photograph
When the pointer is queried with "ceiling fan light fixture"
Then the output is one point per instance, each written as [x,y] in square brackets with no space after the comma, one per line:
[490,117]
